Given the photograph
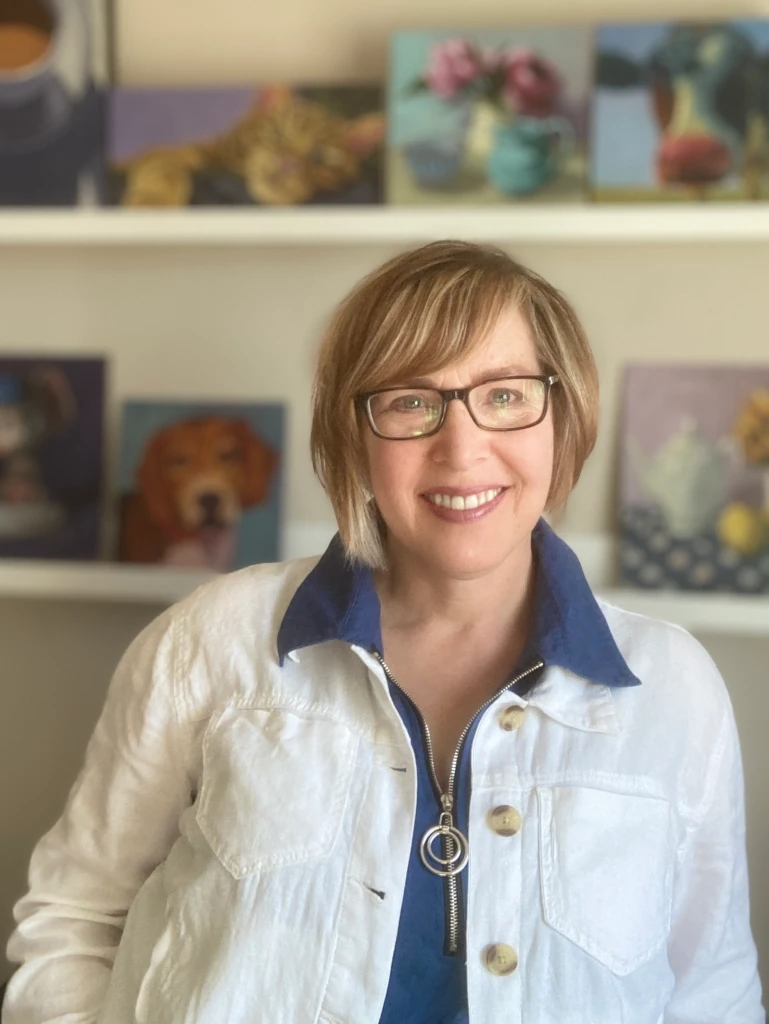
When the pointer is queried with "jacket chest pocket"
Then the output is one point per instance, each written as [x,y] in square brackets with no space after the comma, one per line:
[274,787]
[606,864]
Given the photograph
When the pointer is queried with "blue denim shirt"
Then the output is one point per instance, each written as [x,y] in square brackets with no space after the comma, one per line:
[338,601]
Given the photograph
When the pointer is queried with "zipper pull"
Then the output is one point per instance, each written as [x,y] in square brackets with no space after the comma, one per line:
[446,818]
[457,847]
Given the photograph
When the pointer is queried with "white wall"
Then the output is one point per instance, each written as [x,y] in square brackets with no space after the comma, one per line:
[241,323]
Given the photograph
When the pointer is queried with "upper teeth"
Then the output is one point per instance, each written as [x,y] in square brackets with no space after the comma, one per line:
[469,501]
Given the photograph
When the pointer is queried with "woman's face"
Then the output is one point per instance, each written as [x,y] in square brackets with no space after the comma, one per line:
[462,460]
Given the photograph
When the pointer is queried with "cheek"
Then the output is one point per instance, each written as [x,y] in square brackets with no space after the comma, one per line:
[393,470]
[531,457]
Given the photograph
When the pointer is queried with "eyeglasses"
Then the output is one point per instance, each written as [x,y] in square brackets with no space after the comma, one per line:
[506,403]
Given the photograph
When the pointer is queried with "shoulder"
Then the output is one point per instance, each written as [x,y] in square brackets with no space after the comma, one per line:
[235,611]
[678,676]
[219,644]
[681,712]
[249,602]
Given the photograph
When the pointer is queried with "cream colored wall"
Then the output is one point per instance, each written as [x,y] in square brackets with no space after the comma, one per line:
[230,322]
[198,40]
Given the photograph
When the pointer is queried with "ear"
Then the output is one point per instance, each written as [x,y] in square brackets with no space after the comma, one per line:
[50,390]
[269,97]
[366,133]
[261,461]
[154,491]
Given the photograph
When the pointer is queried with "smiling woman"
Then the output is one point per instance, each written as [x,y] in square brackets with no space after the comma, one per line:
[428,767]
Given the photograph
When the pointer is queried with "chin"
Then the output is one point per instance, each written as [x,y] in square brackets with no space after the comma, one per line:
[467,561]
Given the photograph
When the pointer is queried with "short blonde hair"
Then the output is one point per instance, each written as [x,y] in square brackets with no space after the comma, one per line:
[420,312]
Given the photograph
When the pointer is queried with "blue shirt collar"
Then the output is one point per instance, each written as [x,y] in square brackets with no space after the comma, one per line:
[338,601]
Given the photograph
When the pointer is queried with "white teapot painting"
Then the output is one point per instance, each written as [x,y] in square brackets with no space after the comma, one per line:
[687,477]
[694,499]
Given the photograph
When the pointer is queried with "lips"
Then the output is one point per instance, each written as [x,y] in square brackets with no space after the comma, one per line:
[463,504]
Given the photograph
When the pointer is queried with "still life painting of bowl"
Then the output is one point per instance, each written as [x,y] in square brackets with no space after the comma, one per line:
[487,117]
[694,491]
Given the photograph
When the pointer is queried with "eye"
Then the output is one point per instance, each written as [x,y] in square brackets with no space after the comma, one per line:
[409,403]
[177,461]
[503,398]
[230,455]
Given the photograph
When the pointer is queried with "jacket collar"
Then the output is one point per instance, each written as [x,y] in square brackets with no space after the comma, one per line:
[338,601]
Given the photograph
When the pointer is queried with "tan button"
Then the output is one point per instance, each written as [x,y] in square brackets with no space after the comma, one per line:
[504,820]
[500,959]
[510,718]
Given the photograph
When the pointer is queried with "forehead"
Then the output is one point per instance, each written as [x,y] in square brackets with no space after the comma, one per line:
[509,338]
[507,346]
[199,431]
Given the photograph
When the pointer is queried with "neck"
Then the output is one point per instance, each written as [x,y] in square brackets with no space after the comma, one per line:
[415,596]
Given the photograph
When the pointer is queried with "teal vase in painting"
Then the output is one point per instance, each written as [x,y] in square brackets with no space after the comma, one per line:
[526,153]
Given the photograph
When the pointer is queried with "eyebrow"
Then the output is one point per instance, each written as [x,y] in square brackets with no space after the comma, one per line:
[481,378]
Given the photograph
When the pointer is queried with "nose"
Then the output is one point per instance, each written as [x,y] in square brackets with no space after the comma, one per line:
[209,502]
[460,442]
[692,159]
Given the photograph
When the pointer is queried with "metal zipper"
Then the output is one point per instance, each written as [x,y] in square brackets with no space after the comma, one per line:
[454,845]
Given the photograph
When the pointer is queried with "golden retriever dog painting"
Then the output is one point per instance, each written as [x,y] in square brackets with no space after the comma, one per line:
[194,484]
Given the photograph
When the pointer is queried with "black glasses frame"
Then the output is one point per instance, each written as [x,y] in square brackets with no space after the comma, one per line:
[462,394]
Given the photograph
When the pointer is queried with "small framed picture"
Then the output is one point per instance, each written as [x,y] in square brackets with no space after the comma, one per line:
[200,484]
[55,67]
[274,145]
[694,484]
[679,111]
[488,116]
[51,457]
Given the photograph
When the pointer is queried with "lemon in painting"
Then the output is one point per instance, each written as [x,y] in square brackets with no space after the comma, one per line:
[743,528]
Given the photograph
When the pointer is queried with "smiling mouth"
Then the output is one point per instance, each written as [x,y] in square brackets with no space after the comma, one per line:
[462,502]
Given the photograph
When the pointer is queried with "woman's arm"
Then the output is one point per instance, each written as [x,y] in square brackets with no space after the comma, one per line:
[119,822]
[712,951]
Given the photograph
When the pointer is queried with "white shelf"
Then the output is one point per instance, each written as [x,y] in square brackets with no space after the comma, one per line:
[699,613]
[367,225]
[97,581]
[137,584]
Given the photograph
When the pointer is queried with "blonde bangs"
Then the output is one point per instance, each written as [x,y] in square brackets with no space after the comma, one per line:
[431,324]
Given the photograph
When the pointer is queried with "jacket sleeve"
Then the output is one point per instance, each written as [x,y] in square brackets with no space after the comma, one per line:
[711,951]
[119,822]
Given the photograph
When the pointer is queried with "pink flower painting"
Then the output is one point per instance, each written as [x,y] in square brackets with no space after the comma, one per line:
[488,116]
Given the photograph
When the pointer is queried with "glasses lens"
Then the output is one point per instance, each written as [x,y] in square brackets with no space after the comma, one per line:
[406,413]
[507,404]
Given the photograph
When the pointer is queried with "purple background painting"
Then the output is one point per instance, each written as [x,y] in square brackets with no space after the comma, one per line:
[657,399]
[143,118]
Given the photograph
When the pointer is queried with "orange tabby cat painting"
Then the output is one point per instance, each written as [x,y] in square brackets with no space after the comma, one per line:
[275,145]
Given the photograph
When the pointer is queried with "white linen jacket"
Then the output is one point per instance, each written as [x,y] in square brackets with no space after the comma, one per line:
[235,847]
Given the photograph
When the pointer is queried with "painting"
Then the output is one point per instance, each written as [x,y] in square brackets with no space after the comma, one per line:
[488,117]
[51,457]
[275,145]
[55,66]
[200,484]
[694,492]
[680,111]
